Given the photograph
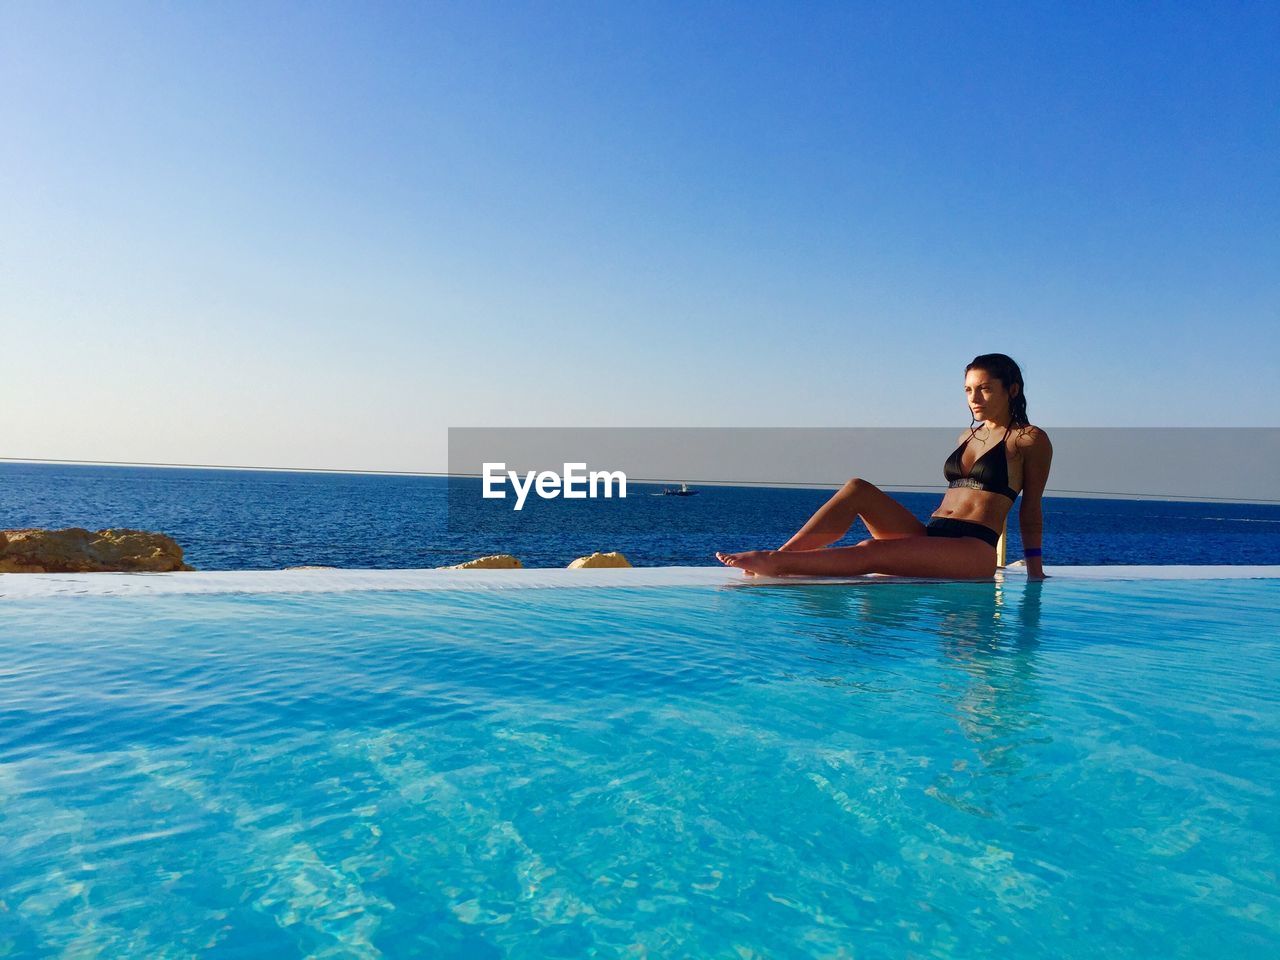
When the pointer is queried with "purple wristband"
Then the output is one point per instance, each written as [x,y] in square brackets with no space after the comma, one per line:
[1032,552]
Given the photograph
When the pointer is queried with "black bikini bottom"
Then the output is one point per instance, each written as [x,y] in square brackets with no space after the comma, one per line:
[946,527]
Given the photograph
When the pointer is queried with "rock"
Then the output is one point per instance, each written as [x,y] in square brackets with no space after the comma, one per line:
[498,561]
[76,550]
[597,559]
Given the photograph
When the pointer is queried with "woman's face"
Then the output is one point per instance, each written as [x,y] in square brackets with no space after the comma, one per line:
[988,399]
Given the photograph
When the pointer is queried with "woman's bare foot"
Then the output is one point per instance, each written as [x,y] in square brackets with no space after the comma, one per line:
[760,563]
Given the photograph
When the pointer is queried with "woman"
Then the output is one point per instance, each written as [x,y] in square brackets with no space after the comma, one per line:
[996,458]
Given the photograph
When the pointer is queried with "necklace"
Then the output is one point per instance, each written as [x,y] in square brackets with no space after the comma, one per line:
[982,433]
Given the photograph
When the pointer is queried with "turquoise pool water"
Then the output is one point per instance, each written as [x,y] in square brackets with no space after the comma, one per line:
[1071,769]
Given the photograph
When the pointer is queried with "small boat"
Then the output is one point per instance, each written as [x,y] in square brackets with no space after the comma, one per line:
[682,491]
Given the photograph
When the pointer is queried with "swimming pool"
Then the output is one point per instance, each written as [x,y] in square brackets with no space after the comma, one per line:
[1079,768]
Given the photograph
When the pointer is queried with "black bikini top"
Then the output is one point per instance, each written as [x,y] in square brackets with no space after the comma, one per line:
[990,471]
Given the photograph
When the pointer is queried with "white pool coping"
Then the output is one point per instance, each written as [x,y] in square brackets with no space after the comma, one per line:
[22,585]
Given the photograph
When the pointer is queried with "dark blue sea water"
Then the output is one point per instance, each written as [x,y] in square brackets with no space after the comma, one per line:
[239,519]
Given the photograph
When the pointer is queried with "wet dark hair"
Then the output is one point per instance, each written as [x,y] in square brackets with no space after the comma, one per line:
[1004,369]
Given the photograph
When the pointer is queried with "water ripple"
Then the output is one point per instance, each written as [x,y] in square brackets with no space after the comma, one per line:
[954,769]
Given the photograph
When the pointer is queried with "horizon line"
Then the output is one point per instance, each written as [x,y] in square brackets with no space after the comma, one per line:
[764,484]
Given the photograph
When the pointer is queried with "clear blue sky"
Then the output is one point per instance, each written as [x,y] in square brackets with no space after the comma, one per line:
[319,234]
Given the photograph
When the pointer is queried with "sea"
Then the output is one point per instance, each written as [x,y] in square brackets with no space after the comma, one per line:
[262,520]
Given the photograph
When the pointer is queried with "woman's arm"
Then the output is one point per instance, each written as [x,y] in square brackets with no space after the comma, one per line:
[1035,476]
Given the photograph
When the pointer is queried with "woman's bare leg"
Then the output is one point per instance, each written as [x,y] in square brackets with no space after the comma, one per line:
[885,517]
[949,558]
